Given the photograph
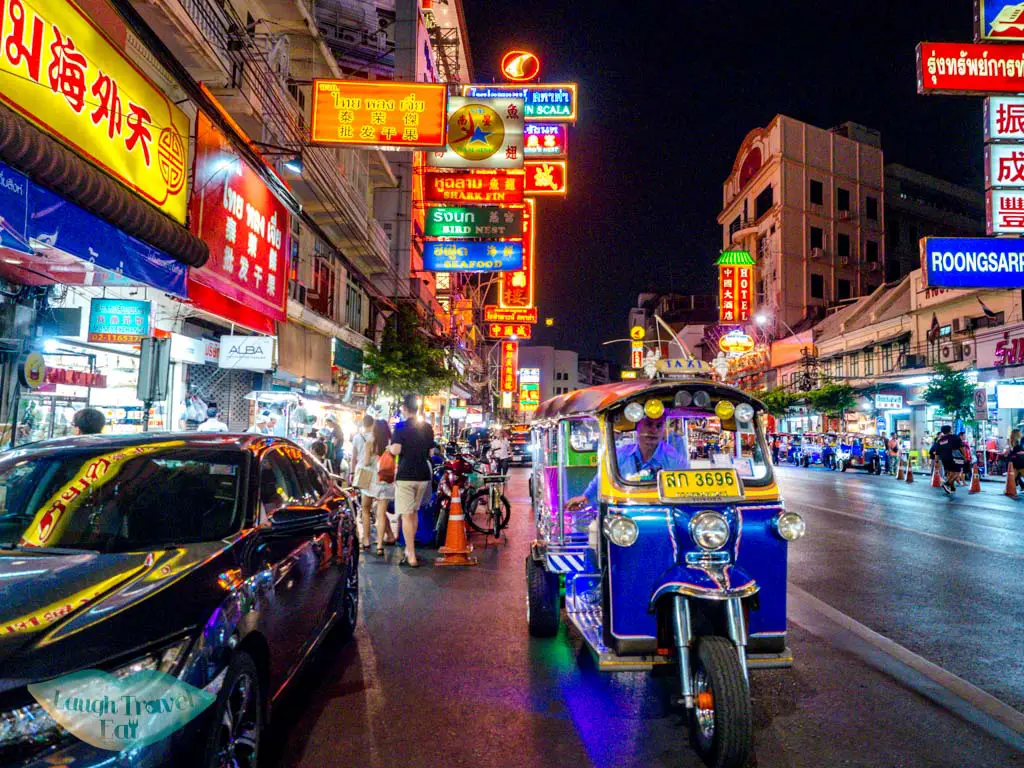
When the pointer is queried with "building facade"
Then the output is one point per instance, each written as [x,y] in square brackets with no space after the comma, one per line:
[558,369]
[808,204]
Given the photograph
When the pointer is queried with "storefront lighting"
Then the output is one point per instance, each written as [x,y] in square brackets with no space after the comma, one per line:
[915,381]
[294,164]
[50,346]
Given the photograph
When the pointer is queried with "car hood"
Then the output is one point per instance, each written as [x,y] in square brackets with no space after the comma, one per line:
[52,605]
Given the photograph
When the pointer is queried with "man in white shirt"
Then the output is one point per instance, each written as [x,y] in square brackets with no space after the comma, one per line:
[212,423]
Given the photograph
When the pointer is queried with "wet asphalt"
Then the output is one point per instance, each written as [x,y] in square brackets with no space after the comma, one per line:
[442,672]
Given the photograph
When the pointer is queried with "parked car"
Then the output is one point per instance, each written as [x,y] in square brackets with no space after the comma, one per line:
[222,560]
[519,439]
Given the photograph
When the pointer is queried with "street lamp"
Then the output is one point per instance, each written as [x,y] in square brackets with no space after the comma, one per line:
[763,318]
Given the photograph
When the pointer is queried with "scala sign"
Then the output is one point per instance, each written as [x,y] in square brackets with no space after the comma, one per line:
[972,262]
[969,69]
[59,70]
[247,353]
[379,112]
[736,343]
[472,256]
[446,221]
[543,103]
[998,20]
[478,187]
[482,133]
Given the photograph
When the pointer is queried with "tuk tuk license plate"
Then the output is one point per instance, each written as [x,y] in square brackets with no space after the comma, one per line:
[683,484]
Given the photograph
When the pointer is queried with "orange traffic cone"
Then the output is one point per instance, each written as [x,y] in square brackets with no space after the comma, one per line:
[975,481]
[456,547]
[910,471]
[1011,482]
[901,473]
[936,476]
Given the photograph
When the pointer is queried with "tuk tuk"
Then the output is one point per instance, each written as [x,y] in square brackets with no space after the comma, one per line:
[818,448]
[643,493]
[860,452]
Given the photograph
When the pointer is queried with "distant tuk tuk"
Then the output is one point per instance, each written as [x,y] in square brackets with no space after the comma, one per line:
[643,493]
[860,452]
[818,448]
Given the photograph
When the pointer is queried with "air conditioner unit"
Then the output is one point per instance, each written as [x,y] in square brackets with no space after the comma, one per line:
[948,352]
[875,266]
[817,253]
[967,350]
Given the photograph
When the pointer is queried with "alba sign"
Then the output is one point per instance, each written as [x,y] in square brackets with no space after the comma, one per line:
[247,353]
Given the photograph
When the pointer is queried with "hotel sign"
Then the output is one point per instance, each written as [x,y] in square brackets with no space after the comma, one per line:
[59,70]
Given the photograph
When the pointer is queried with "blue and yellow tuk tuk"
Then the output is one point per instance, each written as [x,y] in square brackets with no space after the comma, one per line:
[655,504]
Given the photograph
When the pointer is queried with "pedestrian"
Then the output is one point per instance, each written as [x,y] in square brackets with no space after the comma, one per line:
[893,453]
[776,445]
[968,457]
[212,423]
[261,425]
[358,443]
[411,444]
[501,451]
[1014,455]
[948,449]
[336,444]
[319,451]
[382,489]
[88,421]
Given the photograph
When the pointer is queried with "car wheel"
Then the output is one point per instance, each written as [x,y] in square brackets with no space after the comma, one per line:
[348,609]
[543,601]
[234,738]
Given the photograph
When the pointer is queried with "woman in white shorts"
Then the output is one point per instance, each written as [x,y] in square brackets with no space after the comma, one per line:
[380,492]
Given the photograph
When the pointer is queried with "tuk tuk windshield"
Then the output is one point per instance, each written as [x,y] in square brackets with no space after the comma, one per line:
[688,438]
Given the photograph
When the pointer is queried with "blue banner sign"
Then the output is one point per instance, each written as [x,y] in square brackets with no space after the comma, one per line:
[540,102]
[973,262]
[472,256]
[34,220]
[118,321]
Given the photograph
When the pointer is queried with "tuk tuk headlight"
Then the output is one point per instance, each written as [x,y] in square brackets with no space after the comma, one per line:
[790,526]
[744,413]
[709,530]
[620,530]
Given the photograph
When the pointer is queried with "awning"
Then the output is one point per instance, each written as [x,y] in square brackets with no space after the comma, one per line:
[47,161]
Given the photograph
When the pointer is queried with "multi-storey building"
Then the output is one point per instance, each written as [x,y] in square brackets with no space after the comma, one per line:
[808,204]
[559,369]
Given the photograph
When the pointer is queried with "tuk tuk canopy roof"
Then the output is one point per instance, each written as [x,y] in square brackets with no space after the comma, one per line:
[583,402]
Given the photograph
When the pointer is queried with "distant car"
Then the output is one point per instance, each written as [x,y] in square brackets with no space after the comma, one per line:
[519,439]
[222,560]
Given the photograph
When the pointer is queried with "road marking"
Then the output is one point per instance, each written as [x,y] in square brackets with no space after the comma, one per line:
[983,709]
[908,529]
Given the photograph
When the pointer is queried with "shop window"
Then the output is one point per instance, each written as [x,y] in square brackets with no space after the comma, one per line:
[321,297]
[839,367]
[871,251]
[869,362]
[843,245]
[817,287]
[354,308]
[817,193]
[764,202]
[854,365]
[842,290]
[817,237]
[886,358]
[871,208]
[842,199]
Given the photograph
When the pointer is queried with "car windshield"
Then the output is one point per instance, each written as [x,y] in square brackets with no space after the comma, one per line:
[116,500]
[688,438]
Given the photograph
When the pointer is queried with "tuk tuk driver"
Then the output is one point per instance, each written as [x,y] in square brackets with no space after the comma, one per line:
[637,461]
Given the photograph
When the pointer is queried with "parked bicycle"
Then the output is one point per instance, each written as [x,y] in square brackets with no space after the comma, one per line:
[488,510]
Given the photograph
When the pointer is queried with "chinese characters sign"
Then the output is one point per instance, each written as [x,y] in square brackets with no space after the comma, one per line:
[509,365]
[543,103]
[118,321]
[379,113]
[547,140]
[482,133]
[509,330]
[474,187]
[1005,212]
[473,222]
[529,397]
[998,20]
[1004,118]
[245,225]
[1004,165]
[494,314]
[472,256]
[516,288]
[58,70]
[965,68]
[735,292]
[636,358]
[546,177]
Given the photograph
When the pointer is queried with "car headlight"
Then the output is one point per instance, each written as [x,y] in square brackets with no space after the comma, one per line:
[620,530]
[709,530]
[790,526]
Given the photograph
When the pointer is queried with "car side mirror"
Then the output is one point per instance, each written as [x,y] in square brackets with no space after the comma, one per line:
[300,520]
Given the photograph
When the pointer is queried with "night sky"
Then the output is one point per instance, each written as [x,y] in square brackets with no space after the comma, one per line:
[667,92]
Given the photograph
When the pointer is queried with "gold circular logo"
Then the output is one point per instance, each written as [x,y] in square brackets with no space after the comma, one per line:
[637,332]
[171,156]
[475,132]
[33,370]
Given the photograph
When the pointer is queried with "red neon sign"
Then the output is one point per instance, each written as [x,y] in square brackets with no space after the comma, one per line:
[546,177]
[509,365]
[967,68]
[515,291]
[495,314]
[734,293]
[473,187]
[509,331]
[520,66]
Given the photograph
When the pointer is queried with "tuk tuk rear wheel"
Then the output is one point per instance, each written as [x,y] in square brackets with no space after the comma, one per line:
[543,601]
[721,722]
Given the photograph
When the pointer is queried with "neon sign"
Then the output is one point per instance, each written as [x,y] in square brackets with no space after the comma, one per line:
[516,288]
[546,177]
[520,66]
[543,103]
[546,140]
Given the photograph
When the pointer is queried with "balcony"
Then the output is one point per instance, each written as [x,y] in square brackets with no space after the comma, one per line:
[195,31]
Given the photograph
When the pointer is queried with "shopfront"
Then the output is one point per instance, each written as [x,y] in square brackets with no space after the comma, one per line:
[1000,354]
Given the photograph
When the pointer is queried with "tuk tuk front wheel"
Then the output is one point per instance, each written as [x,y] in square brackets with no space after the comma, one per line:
[721,726]
[543,601]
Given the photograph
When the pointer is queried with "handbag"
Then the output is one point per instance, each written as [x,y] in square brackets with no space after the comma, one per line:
[364,478]
[386,468]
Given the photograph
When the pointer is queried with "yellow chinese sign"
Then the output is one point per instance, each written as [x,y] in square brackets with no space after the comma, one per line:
[379,112]
[60,71]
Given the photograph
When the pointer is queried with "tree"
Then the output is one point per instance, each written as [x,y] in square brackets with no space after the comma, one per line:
[951,392]
[406,361]
[776,400]
[832,399]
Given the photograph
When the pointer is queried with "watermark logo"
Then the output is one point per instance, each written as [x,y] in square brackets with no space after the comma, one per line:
[114,713]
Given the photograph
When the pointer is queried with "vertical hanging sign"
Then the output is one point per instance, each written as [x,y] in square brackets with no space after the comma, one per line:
[515,291]
[509,365]
[735,292]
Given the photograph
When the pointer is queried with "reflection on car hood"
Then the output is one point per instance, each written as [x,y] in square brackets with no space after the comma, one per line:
[47,598]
